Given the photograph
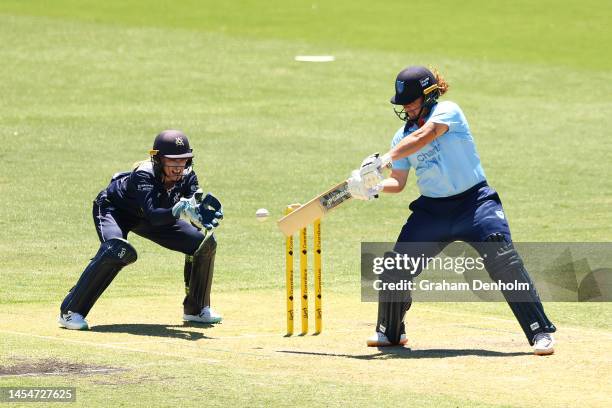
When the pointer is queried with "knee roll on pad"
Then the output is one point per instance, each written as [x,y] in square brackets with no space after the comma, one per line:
[119,250]
[207,247]
[504,264]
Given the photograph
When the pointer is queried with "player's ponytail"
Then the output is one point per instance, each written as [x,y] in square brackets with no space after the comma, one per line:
[139,163]
[442,84]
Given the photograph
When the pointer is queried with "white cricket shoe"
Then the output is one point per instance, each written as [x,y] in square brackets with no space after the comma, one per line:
[207,315]
[380,340]
[543,344]
[73,321]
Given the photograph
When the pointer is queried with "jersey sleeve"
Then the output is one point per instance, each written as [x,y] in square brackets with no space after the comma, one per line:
[403,163]
[448,113]
[145,197]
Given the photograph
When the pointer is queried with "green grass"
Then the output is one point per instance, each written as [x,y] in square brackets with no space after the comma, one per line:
[87,85]
[547,32]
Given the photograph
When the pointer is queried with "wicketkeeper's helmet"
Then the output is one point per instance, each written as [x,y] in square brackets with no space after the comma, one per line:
[171,144]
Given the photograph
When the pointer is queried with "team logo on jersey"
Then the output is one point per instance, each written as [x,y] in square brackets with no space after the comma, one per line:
[399,86]
[179,141]
[500,214]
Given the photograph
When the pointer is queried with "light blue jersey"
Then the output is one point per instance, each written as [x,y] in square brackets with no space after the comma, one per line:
[448,165]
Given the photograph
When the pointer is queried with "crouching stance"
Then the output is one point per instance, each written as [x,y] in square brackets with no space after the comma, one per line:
[159,200]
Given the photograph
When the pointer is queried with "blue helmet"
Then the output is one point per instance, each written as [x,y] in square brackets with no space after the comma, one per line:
[414,82]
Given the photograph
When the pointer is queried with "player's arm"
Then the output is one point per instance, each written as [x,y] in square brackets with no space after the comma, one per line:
[156,215]
[417,140]
[396,181]
[145,192]
[370,171]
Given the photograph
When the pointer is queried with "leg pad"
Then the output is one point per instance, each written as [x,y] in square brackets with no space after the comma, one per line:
[112,256]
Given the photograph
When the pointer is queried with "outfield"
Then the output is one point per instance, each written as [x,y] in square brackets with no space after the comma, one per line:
[86,86]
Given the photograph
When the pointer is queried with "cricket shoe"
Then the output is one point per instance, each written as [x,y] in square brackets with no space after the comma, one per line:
[543,344]
[380,340]
[207,315]
[73,321]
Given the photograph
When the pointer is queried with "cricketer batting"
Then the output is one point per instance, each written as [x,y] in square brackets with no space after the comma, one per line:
[456,202]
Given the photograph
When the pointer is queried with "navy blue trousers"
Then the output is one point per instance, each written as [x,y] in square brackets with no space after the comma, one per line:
[472,216]
[111,222]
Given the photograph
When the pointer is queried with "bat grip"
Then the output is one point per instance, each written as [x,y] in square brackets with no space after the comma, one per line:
[386,160]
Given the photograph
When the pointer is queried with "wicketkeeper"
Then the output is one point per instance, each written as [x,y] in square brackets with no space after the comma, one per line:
[456,203]
[159,200]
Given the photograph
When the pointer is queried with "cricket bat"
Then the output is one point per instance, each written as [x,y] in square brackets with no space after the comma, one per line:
[314,209]
[322,204]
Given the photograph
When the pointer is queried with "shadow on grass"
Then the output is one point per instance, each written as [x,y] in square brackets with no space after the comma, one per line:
[157,330]
[405,352]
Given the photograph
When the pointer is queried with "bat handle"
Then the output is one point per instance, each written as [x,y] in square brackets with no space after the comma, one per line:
[386,160]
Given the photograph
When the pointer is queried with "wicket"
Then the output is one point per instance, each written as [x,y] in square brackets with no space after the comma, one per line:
[304,276]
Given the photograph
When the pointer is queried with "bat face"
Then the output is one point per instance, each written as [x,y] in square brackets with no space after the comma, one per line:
[314,209]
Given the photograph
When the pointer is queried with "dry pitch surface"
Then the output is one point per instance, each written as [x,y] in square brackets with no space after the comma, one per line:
[138,351]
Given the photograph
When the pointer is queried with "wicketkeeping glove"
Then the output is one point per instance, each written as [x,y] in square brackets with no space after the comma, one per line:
[186,209]
[210,211]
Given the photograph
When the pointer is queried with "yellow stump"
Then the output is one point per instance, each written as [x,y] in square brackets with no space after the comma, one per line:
[304,278]
[317,276]
[289,278]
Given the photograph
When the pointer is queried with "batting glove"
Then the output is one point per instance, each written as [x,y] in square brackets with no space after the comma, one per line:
[371,169]
[358,189]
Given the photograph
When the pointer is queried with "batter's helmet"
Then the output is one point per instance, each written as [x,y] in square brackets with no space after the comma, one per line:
[414,82]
